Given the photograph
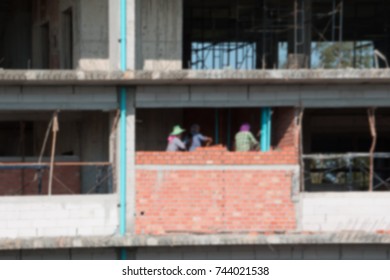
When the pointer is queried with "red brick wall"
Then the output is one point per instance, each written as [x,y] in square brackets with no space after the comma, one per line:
[285,132]
[213,201]
[18,182]
[217,156]
[222,199]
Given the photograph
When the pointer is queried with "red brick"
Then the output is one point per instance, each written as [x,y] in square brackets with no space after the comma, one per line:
[221,201]
[22,182]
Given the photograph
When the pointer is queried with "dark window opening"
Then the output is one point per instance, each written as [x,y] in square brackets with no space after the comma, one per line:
[34,33]
[68,39]
[16,139]
[336,145]
[81,158]
[15,34]
[44,34]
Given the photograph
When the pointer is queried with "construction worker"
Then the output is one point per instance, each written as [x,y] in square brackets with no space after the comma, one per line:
[197,139]
[174,140]
[244,139]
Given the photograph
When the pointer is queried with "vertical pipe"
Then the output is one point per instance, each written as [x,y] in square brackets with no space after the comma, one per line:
[123,132]
[266,127]
[265,140]
[123,254]
[268,110]
[264,130]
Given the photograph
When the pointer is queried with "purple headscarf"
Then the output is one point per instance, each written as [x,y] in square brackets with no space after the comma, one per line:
[245,127]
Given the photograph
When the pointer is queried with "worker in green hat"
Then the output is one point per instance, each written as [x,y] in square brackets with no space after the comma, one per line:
[174,140]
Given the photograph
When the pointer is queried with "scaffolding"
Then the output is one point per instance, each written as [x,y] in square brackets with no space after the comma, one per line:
[233,35]
[248,40]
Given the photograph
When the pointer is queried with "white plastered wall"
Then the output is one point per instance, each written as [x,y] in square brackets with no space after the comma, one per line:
[54,216]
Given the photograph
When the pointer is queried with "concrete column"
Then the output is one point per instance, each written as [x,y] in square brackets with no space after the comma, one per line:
[134,58]
[132,38]
[130,172]
[114,34]
[94,20]
[161,34]
[154,34]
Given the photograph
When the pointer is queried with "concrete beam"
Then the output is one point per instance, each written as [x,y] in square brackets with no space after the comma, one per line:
[57,97]
[207,77]
[229,96]
[292,238]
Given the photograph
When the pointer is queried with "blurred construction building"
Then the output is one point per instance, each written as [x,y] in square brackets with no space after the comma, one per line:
[90,90]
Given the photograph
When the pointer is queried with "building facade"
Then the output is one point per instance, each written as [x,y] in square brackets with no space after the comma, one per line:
[91,89]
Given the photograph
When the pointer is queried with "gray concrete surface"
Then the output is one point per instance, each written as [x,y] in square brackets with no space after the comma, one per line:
[58,97]
[229,252]
[271,252]
[261,77]
[114,34]
[93,32]
[130,164]
[161,31]
[62,254]
[223,239]
[232,96]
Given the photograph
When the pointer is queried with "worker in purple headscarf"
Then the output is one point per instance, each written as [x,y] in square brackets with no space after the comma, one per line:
[244,139]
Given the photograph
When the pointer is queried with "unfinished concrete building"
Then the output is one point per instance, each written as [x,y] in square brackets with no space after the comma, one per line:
[90,90]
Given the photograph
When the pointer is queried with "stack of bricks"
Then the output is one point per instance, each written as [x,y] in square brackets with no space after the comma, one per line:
[218,156]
